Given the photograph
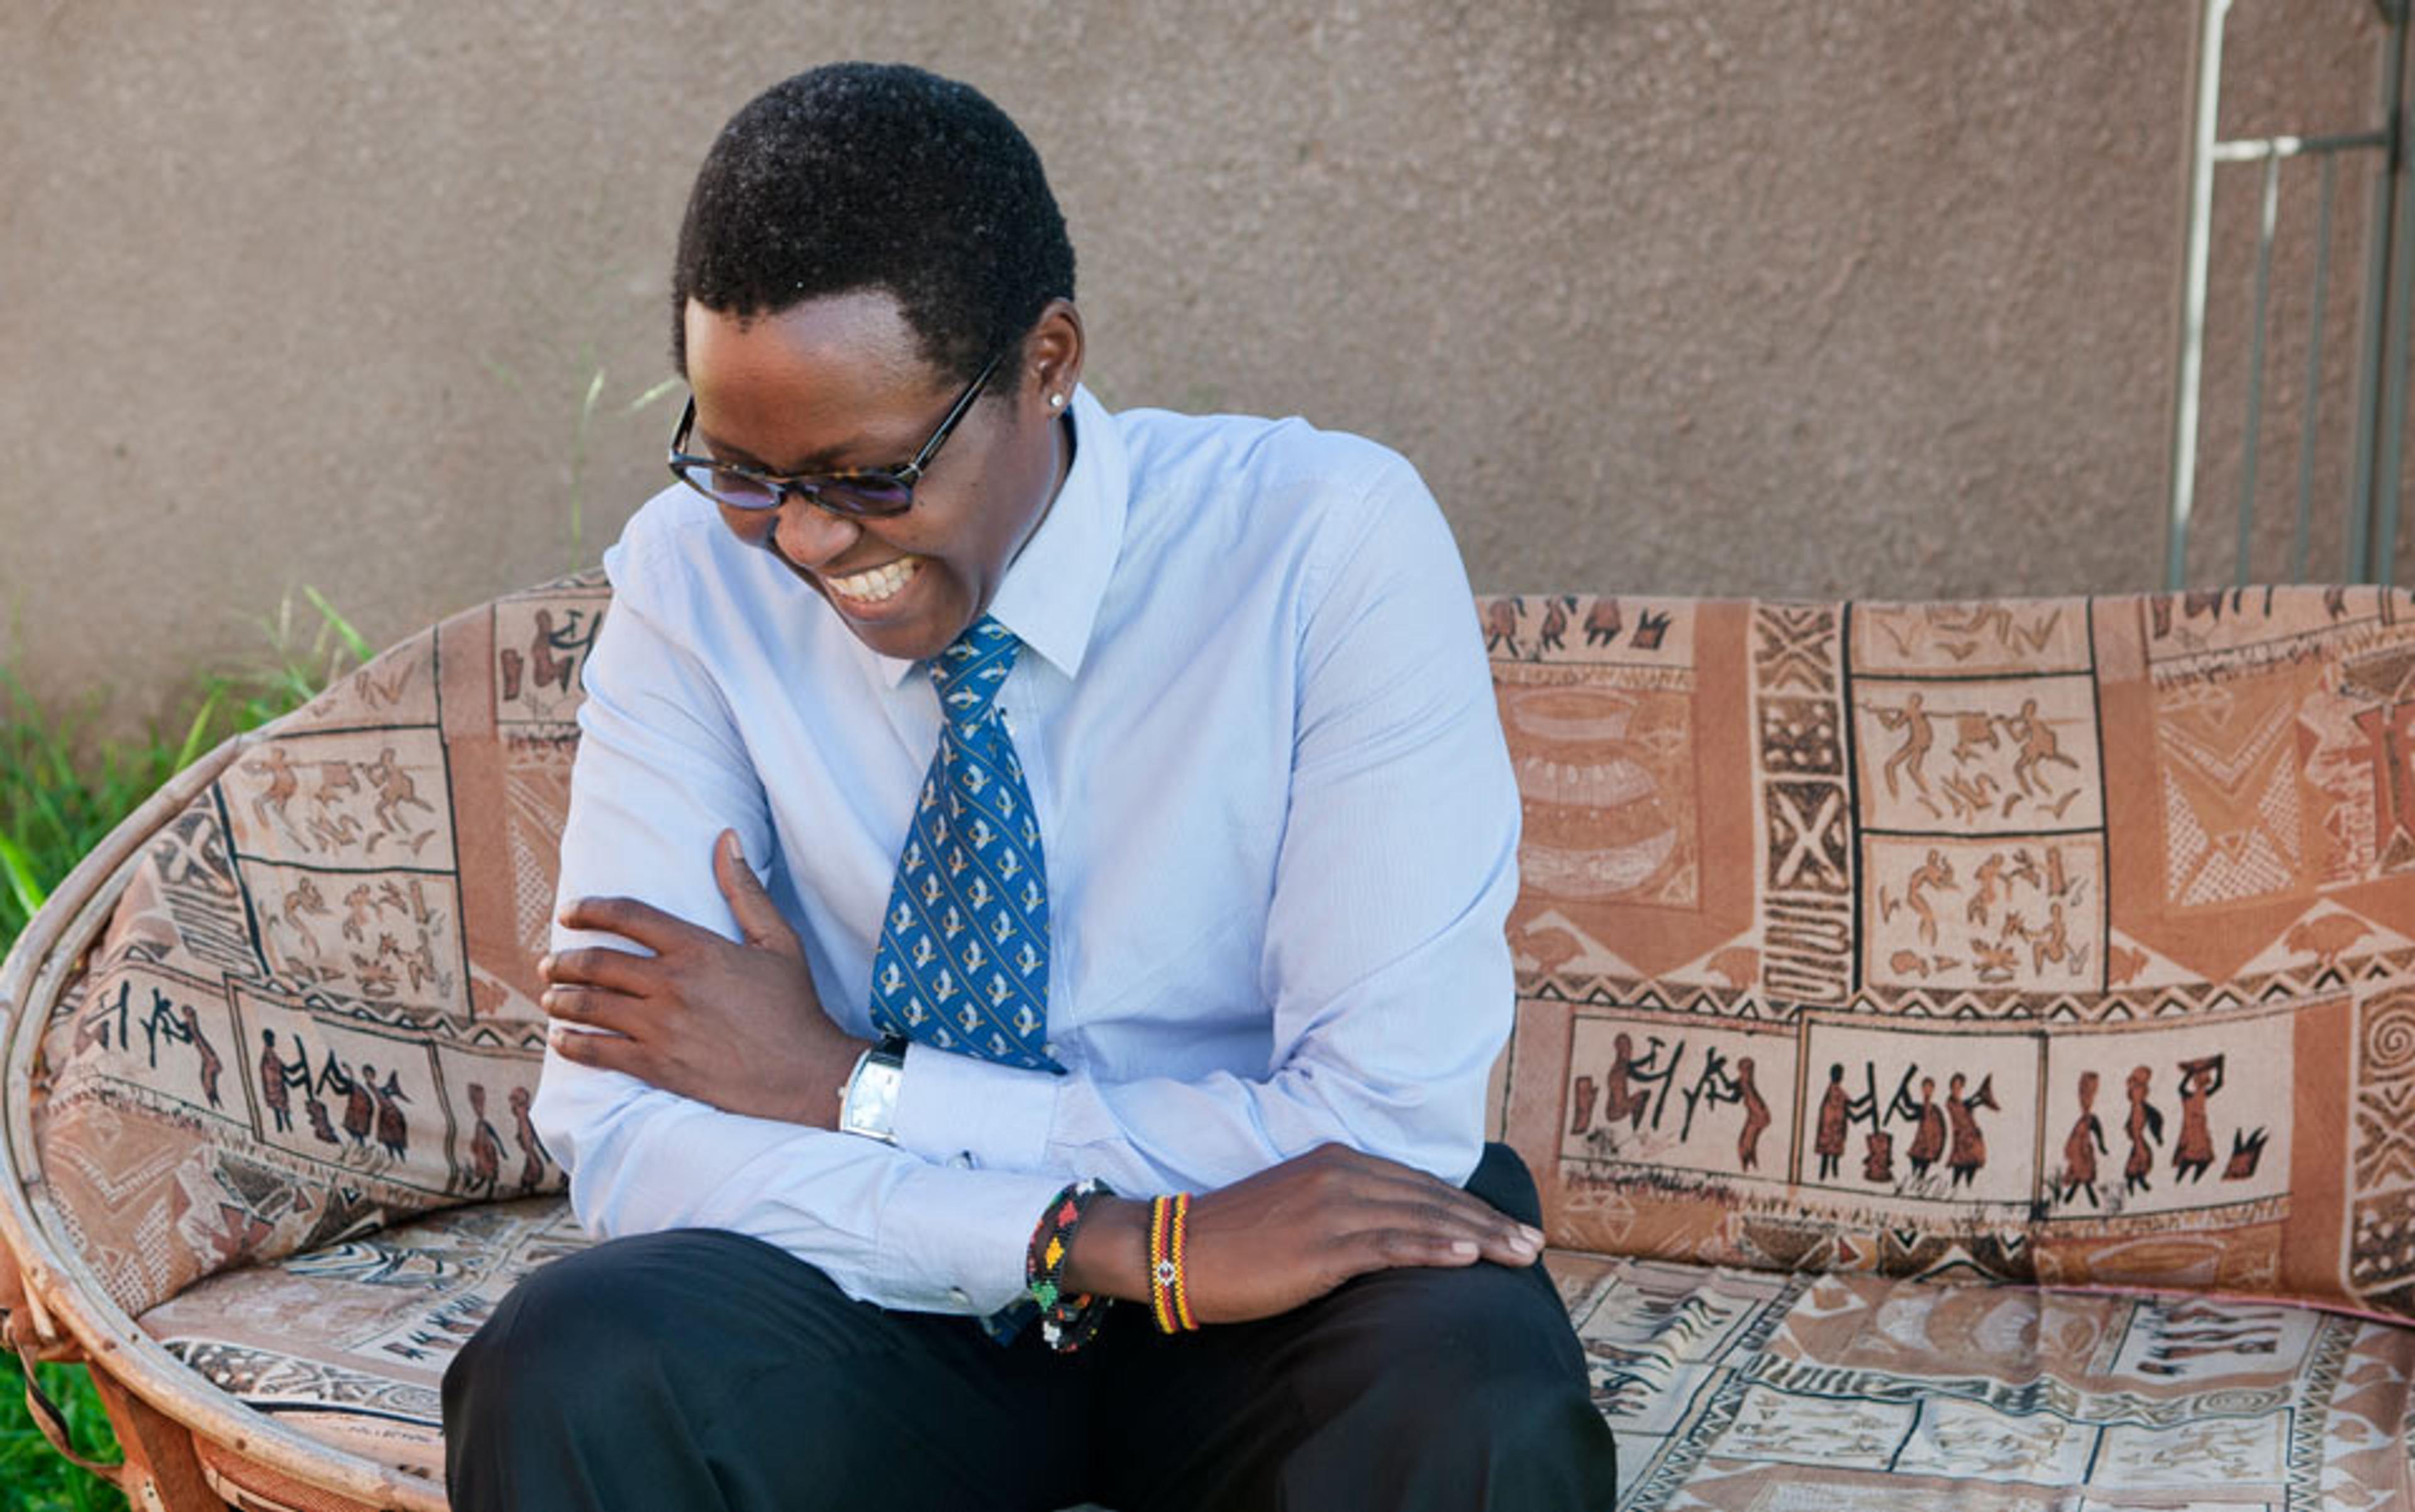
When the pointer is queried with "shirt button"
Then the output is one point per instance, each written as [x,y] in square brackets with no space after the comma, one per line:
[957,1294]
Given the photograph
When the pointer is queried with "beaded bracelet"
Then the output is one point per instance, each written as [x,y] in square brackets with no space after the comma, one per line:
[1169,1282]
[1067,1322]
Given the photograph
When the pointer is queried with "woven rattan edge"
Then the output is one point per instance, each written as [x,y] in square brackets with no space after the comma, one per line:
[65,1294]
[249,1486]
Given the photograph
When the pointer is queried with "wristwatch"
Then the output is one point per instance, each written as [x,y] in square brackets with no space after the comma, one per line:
[868,1105]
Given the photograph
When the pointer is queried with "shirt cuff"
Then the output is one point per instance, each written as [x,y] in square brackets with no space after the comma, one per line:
[965,1232]
[959,1110]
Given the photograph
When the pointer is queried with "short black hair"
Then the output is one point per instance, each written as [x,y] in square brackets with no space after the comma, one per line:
[864,176]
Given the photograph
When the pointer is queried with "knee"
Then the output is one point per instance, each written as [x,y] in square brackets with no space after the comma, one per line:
[1477,1383]
[1447,1428]
[1452,1390]
[602,1323]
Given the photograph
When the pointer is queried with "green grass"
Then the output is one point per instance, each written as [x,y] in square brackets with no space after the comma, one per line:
[32,1474]
[62,789]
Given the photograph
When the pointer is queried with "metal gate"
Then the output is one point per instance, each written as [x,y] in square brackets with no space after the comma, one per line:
[2371,525]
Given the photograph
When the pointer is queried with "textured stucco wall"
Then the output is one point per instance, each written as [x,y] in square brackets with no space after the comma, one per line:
[1869,298]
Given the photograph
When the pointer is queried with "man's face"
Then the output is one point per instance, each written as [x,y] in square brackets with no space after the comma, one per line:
[840,382]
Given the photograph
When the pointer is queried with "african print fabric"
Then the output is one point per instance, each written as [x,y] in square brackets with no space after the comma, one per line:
[1725,1388]
[1875,962]
[2061,939]
[314,1010]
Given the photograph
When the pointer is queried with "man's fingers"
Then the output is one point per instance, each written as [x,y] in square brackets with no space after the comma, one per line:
[1485,1229]
[601,967]
[1475,1209]
[641,922]
[1443,1217]
[604,1052]
[1420,1246]
[588,1005]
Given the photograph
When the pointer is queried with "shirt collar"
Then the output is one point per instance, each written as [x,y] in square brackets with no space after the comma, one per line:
[1052,593]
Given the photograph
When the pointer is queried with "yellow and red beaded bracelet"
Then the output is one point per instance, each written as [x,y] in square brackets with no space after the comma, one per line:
[1169,1288]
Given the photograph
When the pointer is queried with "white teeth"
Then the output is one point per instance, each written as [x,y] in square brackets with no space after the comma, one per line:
[878,584]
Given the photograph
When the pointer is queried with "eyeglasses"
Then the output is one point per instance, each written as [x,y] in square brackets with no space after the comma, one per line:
[860,493]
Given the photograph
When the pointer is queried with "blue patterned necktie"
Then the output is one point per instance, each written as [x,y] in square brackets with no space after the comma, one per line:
[963,962]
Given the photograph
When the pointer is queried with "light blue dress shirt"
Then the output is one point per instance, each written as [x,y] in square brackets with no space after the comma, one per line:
[1282,832]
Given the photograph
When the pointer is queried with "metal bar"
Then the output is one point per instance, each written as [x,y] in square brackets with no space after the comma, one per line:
[2392,418]
[2267,212]
[2198,229]
[2393,422]
[2250,149]
[2357,554]
[2310,426]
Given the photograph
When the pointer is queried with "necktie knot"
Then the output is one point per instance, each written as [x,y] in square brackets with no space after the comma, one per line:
[971,670]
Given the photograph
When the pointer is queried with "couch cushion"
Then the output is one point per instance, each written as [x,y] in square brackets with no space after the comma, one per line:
[314,1007]
[1725,1388]
[2061,939]
[349,1342]
[1866,1394]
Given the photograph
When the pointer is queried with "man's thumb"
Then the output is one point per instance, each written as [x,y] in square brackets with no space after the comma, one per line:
[758,918]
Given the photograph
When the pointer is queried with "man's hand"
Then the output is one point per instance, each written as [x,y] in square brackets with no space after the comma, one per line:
[1295,1232]
[734,1025]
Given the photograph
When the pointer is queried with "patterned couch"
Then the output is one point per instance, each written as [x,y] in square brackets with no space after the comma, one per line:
[1968,1052]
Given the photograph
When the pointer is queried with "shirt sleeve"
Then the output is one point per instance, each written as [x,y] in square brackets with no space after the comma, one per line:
[661,771]
[1385,961]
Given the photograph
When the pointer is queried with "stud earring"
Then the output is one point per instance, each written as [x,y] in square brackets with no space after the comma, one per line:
[1056,402]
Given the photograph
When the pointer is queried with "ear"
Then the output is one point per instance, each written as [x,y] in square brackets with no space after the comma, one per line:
[1051,356]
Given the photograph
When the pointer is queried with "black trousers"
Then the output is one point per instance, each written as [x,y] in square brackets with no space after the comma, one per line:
[703,1369]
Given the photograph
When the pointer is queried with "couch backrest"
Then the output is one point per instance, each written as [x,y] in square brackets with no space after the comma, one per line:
[2063,939]
[313,1011]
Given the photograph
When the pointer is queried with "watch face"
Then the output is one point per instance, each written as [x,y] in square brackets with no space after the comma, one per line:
[872,1099]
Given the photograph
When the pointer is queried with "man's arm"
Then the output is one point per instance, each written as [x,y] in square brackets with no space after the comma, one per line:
[660,773]
[1385,965]
[1389,1010]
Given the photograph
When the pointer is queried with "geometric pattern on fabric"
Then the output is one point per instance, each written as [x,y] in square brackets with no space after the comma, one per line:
[349,1342]
[2065,940]
[1732,1389]
[313,1011]
[2068,941]
[1726,1388]
[963,960]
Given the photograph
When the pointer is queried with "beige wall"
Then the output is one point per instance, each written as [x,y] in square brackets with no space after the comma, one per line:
[1870,298]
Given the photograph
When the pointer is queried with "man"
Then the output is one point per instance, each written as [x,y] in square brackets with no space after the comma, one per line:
[1134,825]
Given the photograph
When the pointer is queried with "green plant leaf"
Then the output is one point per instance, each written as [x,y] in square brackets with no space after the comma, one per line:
[653,395]
[19,869]
[361,651]
[197,732]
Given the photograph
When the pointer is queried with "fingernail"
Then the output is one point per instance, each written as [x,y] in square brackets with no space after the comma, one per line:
[1533,1236]
[545,965]
[1464,1248]
[730,843]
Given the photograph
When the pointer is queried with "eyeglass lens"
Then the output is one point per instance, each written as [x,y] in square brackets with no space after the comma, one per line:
[861,493]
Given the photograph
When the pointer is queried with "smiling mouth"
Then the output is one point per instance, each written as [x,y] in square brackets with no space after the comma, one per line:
[878,585]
